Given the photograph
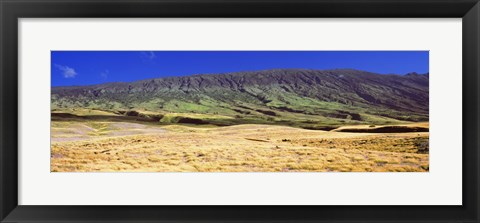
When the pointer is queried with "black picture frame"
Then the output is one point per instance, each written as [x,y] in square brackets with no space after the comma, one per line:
[12,10]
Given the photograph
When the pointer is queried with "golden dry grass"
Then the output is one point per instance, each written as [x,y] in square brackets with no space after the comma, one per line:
[95,146]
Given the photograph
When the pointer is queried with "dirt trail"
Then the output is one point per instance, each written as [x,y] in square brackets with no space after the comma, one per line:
[70,132]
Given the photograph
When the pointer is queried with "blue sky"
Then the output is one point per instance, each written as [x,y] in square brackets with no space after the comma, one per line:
[94,67]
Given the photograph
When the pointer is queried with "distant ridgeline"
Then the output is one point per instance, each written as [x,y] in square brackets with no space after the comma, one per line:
[289,96]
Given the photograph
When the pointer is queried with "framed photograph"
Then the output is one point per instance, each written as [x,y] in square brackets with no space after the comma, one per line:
[228,111]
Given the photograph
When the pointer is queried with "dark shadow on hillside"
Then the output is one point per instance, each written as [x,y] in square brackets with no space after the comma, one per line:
[387,129]
[114,118]
[156,119]
[136,117]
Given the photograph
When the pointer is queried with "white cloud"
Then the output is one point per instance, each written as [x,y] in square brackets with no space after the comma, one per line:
[148,55]
[105,74]
[67,71]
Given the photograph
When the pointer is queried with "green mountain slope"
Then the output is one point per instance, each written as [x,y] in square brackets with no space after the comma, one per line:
[306,98]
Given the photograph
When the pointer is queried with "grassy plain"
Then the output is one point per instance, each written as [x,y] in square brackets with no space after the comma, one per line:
[86,140]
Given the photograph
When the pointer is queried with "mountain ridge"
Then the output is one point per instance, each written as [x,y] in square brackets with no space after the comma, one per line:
[336,95]
[246,71]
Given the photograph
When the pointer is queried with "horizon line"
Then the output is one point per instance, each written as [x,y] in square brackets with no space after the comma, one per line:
[242,71]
